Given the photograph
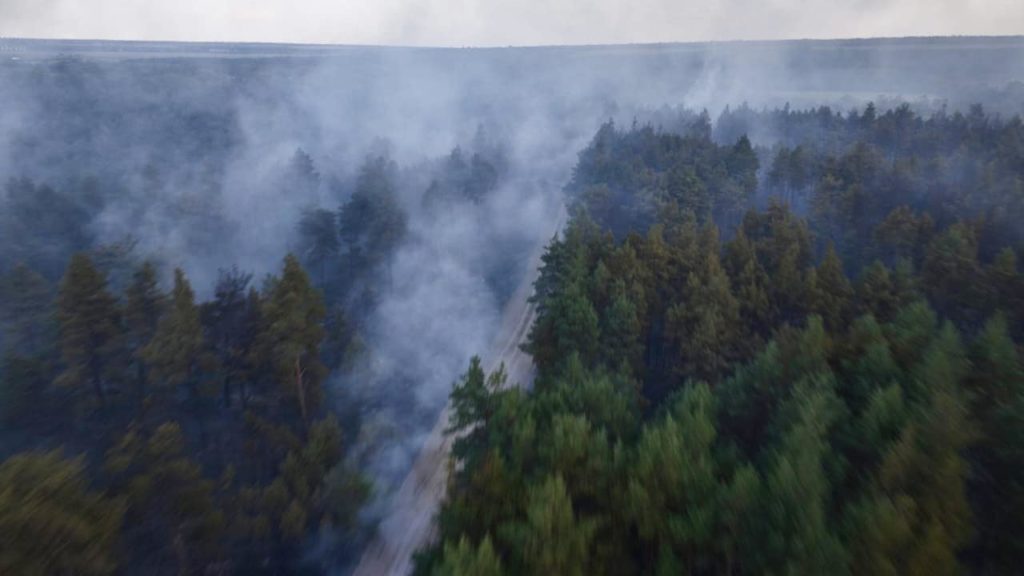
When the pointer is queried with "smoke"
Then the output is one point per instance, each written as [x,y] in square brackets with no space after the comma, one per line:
[190,149]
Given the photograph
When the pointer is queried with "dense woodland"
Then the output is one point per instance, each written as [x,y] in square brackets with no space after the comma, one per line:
[801,358]
[143,430]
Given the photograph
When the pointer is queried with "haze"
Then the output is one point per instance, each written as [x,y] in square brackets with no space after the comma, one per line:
[485,23]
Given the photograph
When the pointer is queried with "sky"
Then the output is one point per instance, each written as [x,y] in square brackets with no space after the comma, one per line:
[502,22]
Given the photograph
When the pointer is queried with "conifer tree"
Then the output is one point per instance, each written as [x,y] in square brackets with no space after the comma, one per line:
[472,407]
[831,294]
[26,312]
[293,313]
[318,236]
[51,522]
[950,270]
[876,293]
[466,560]
[89,328]
[143,308]
[174,351]
[555,541]
[621,337]
[172,508]
[799,538]
[749,280]
[576,325]
[672,493]
[926,465]
[996,386]
[231,326]
[706,323]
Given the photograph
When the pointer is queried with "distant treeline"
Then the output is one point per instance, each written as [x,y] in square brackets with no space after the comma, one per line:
[836,387]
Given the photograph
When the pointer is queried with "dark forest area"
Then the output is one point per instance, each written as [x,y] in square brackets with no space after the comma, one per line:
[162,433]
[780,331]
[796,359]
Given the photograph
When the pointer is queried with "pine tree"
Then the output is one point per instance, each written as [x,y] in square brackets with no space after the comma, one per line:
[25,312]
[996,386]
[798,490]
[706,324]
[555,540]
[749,280]
[231,327]
[876,293]
[576,326]
[950,271]
[467,560]
[472,406]
[831,294]
[318,238]
[926,465]
[174,352]
[172,509]
[672,490]
[372,223]
[621,344]
[89,328]
[51,522]
[143,306]
[293,313]
[1008,286]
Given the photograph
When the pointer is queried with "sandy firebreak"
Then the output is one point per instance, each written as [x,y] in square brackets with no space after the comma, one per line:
[409,525]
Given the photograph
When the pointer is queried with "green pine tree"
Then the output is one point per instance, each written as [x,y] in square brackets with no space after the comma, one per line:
[831,293]
[90,330]
[293,314]
[143,307]
[51,522]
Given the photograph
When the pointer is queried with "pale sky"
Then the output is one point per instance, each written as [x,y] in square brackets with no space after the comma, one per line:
[502,22]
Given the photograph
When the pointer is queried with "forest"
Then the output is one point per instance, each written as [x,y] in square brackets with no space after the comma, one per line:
[801,358]
[146,430]
[238,289]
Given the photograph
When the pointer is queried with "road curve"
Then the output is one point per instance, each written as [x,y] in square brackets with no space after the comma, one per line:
[409,525]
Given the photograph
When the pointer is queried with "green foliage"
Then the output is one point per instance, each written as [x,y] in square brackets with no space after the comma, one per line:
[171,505]
[173,353]
[293,313]
[552,540]
[843,426]
[89,328]
[143,308]
[697,408]
[466,560]
[24,383]
[706,326]
[372,223]
[318,239]
[830,291]
[951,269]
[26,312]
[52,523]
[672,492]
[191,501]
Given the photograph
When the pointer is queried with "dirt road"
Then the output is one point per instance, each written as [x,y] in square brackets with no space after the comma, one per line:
[409,525]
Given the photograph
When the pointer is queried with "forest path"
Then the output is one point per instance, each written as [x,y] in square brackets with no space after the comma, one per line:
[409,525]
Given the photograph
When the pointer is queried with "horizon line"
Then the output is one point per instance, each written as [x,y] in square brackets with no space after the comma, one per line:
[639,44]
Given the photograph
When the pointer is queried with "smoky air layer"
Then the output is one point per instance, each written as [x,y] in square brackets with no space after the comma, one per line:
[184,151]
